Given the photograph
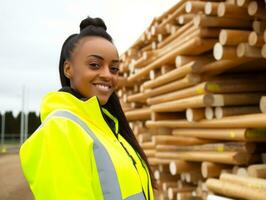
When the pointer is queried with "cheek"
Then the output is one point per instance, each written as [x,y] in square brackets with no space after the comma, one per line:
[115,80]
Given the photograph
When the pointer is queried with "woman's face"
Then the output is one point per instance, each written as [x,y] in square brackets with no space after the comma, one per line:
[93,68]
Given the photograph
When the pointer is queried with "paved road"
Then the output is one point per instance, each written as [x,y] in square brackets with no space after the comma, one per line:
[12,182]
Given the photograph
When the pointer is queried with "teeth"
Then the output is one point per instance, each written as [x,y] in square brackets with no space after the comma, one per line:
[103,87]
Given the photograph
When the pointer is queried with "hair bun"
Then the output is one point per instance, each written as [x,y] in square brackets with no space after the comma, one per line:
[97,22]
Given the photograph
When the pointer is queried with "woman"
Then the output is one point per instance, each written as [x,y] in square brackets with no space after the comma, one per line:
[84,148]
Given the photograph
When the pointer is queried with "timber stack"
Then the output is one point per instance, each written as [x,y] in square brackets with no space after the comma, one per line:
[193,87]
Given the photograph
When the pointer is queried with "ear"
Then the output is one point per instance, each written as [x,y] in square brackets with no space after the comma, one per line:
[68,71]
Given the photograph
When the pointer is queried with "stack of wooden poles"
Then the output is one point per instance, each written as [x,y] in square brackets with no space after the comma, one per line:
[193,87]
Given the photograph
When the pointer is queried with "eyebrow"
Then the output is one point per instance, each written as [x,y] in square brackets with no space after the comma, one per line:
[101,58]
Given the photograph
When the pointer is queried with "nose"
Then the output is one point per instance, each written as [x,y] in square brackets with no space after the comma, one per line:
[105,73]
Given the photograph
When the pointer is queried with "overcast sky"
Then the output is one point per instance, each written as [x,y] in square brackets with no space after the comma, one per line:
[32,32]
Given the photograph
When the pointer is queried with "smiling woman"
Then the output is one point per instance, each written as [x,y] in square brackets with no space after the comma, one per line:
[84,148]
[93,68]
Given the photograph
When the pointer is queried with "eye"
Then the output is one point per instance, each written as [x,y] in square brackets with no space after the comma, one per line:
[94,65]
[114,70]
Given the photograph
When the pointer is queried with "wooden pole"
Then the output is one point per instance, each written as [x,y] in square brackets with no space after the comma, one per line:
[185,18]
[194,114]
[183,60]
[182,104]
[256,9]
[212,170]
[138,114]
[232,11]
[221,112]
[139,97]
[210,145]
[244,121]
[211,21]
[224,134]
[211,8]
[220,157]
[245,50]
[258,26]
[220,66]
[233,85]
[255,39]
[176,140]
[208,100]
[176,74]
[251,182]
[258,171]
[180,166]
[192,47]
[183,93]
[175,35]
[221,52]
[233,37]
[233,190]
[194,6]
[188,80]
[170,76]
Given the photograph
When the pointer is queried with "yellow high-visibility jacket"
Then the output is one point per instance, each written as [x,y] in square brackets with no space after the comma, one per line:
[75,155]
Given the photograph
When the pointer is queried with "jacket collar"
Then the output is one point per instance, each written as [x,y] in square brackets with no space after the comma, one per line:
[89,109]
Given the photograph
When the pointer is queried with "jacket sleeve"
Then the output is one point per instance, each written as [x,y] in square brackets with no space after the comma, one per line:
[58,162]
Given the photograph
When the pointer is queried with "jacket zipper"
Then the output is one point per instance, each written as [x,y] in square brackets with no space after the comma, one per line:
[134,164]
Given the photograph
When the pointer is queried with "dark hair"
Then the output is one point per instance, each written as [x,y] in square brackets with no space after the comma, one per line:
[96,27]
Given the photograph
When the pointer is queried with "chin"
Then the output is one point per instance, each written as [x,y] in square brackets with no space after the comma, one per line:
[103,101]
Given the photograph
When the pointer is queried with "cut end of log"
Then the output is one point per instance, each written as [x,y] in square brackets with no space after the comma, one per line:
[204,170]
[240,50]
[263,51]
[263,104]
[253,8]
[223,37]
[156,174]
[209,113]
[208,8]
[221,9]
[253,38]
[240,3]
[189,115]
[218,113]
[197,20]
[172,168]
[208,100]
[218,51]
[188,7]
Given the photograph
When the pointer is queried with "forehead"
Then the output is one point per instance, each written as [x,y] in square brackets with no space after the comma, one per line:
[93,45]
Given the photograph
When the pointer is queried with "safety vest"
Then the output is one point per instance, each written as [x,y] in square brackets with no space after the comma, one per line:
[75,155]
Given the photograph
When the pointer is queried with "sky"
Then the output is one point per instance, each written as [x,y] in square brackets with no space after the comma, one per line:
[33,31]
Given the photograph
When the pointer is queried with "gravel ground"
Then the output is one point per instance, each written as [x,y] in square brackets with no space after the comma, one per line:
[13,185]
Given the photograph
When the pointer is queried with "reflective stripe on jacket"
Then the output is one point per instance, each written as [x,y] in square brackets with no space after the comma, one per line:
[75,155]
